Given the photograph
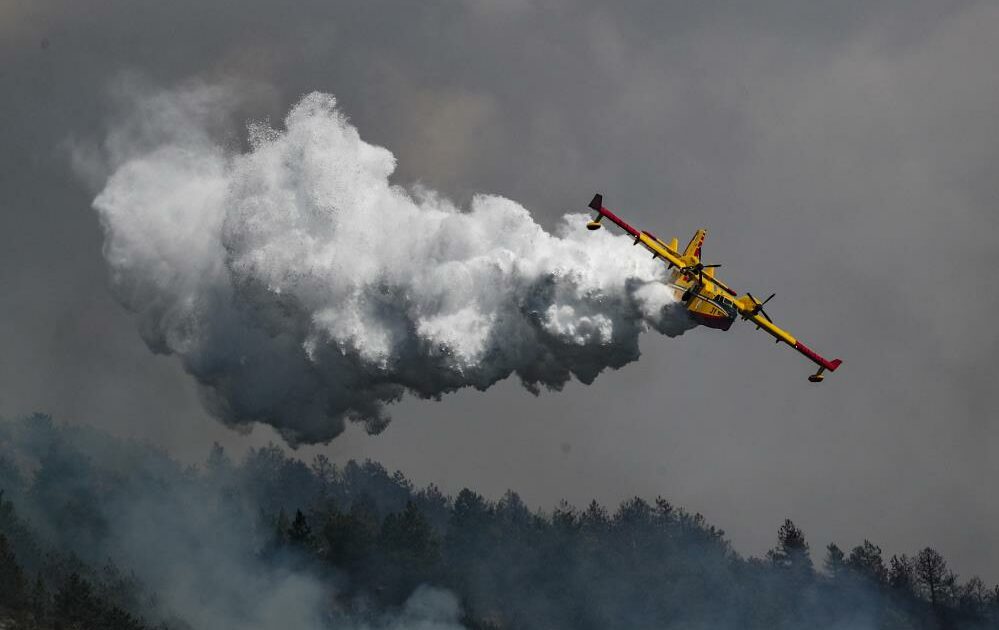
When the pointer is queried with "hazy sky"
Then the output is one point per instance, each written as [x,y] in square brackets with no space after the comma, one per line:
[841,154]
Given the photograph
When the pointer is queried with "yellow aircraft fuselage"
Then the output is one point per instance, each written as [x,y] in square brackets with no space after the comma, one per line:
[709,301]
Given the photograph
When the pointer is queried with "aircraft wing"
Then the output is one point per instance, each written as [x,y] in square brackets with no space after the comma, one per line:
[669,255]
[658,248]
[763,322]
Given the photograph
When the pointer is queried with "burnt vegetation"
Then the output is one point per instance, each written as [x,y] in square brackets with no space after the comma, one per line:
[370,538]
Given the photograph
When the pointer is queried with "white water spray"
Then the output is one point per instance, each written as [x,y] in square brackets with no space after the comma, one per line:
[301,288]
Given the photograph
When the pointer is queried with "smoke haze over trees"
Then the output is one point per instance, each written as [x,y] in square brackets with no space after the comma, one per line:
[97,532]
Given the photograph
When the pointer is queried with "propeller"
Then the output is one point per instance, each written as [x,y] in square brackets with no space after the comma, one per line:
[758,309]
[698,270]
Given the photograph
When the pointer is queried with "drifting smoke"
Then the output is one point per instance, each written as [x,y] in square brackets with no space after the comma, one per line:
[195,539]
[301,287]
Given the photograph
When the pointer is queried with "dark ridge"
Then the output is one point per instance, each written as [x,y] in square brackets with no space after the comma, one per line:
[370,540]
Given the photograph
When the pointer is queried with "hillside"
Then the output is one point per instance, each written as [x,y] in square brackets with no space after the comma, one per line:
[100,533]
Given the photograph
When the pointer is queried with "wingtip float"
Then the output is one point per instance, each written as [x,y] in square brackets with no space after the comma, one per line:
[709,301]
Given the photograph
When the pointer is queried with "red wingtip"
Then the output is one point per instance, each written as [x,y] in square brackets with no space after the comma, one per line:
[816,358]
[598,204]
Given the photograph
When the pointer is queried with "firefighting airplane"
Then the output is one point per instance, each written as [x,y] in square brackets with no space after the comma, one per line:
[709,301]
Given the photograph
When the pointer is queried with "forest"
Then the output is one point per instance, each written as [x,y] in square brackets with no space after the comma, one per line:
[102,533]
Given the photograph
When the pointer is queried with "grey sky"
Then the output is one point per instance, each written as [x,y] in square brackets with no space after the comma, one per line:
[841,154]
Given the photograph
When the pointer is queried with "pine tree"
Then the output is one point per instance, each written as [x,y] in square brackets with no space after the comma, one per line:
[791,551]
[866,560]
[931,573]
[409,540]
[11,576]
[325,473]
[594,520]
[299,534]
[218,462]
[73,601]
[901,573]
[38,600]
[835,562]
[279,535]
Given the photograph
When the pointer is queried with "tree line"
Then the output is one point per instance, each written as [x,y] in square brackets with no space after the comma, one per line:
[371,538]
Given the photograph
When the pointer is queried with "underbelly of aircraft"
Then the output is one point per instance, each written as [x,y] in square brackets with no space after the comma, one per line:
[720,322]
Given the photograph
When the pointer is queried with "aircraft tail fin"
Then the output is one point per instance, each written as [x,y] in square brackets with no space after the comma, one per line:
[598,202]
[694,246]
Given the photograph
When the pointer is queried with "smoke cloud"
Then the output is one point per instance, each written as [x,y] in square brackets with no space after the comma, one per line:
[191,544]
[301,287]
